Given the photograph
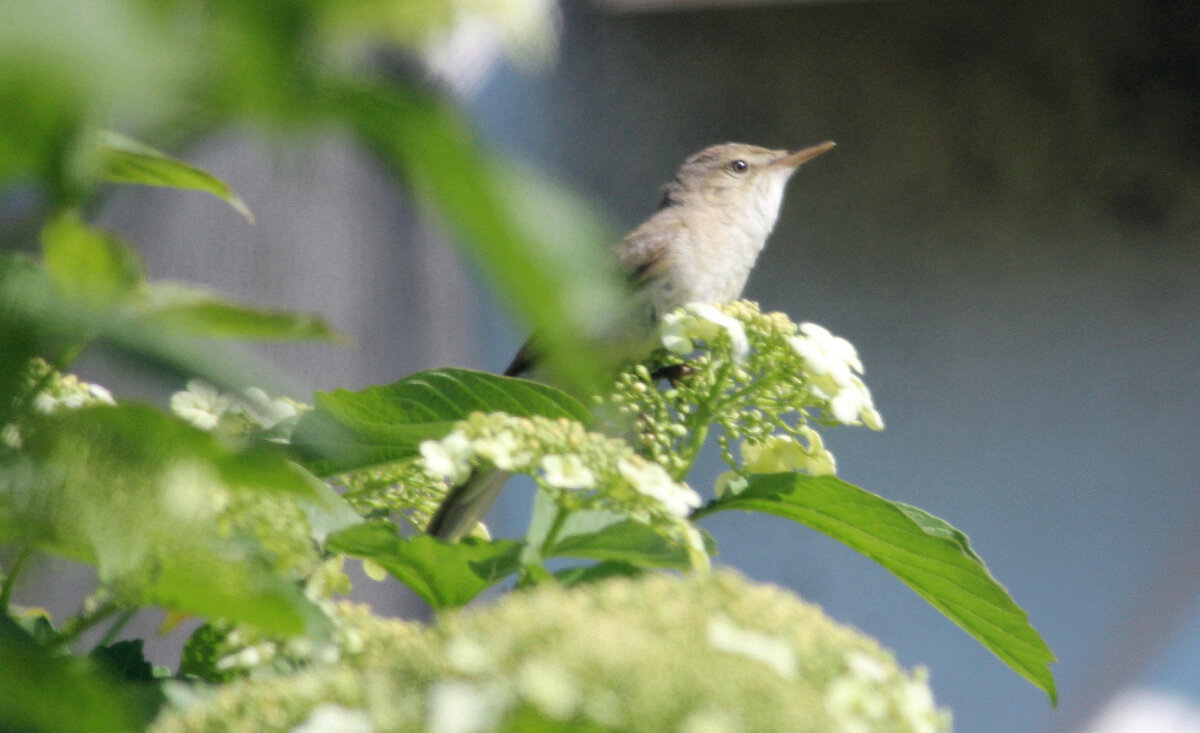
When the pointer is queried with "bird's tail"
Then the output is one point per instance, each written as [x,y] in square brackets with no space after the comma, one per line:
[466,504]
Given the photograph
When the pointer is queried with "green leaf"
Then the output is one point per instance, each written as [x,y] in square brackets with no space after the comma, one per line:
[599,535]
[86,262]
[62,65]
[138,495]
[924,552]
[181,309]
[939,527]
[543,248]
[445,575]
[596,573]
[201,655]
[124,160]
[126,660]
[37,320]
[352,430]
[21,339]
[57,693]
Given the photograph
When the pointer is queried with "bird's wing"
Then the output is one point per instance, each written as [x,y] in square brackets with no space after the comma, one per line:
[644,253]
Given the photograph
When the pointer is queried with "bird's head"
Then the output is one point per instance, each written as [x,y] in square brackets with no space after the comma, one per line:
[737,178]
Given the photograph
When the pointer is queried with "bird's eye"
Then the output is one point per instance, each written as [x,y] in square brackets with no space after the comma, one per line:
[738,166]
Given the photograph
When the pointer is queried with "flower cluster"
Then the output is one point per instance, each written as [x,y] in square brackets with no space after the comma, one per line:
[53,391]
[834,369]
[401,490]
[766,381]
[871,695]
[579,469]
[207,408]
[622,654]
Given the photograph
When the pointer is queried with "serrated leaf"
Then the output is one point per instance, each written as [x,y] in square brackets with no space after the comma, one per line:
[86,262]
[352,430]
[924,552]
[124,160]
[445,575]
[182,309]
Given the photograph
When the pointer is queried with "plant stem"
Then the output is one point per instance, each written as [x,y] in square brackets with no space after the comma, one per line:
[10,579]
[698,422]
[560,518]
[116,627]
[80,624]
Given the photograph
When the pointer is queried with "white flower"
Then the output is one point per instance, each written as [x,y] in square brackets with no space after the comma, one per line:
[192,491]
[268,412]
[456,706]
[653,480]
[45,403]
[448,458]
[709,720]
[73,400]
[468,656]
[772,651]
[703,321]
[857,707]
[729,482]
[567,472]
[782,453]
[201,404]
[504,450]
[817,460]
[831,360]
[833,367]
[100,394]
[464,54]
[674,333]
[550,688]
[374,570]
[866,667]
[332,718]
[916,706]
[853,404]
[248,658]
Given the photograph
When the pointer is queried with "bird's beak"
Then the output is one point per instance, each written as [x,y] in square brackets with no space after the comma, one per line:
[791,160]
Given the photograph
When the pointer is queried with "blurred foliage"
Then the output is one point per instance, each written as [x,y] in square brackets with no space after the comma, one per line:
[706,652]
[220,511]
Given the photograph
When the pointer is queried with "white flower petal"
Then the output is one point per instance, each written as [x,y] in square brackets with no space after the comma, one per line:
[566,472]
[201,404]
[450,457]
[456,706]
[713,319]
[653,480]
[100,394]
[332,718]
[550,688]
[772,651]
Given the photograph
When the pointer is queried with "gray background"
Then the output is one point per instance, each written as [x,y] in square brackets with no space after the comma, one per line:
[1007,231]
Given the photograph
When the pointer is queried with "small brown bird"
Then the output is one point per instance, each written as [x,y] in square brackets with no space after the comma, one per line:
[712,221]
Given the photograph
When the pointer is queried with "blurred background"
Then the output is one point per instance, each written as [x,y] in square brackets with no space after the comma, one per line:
[1009,232]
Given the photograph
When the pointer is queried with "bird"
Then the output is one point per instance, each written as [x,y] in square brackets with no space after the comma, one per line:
[700,245]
